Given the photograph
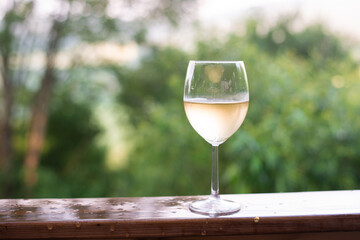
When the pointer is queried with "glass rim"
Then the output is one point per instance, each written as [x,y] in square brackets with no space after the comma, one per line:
[212,61]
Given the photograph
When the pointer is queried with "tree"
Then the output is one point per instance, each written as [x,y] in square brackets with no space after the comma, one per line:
[16,13]
[69,22]
[38,122]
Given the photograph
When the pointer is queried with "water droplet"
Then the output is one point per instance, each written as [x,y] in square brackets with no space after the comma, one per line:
[256,219]
[78,224]
[203,233]
[50,227]
[112,228]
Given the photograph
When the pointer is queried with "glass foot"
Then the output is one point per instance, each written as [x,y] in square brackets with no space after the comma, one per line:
[214,206]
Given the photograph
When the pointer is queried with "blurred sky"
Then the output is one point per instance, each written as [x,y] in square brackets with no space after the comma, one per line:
[341,16]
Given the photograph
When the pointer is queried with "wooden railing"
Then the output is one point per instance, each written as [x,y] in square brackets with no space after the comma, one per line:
[302,215]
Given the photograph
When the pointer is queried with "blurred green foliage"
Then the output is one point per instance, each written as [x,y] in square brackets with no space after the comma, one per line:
[302,130]
[300,133]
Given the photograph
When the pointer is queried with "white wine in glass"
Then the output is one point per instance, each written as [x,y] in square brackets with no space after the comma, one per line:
[216,100]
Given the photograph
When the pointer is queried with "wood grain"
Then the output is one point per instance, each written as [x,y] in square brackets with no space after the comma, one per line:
[293,215]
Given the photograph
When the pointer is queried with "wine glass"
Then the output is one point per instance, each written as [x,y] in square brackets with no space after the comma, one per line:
[216,100]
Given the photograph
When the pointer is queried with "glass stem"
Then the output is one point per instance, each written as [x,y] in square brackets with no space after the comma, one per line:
[215,172]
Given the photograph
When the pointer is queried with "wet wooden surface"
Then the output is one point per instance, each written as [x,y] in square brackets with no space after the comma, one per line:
[303,215]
